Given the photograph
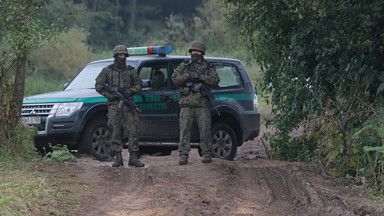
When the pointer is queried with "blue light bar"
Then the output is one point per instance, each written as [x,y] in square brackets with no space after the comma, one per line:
[161,50]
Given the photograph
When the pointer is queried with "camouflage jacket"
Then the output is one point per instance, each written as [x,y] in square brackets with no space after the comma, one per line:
[181,78]
[112,79]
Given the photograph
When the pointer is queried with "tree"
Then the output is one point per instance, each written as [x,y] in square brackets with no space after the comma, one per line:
[20,33]
[322,60]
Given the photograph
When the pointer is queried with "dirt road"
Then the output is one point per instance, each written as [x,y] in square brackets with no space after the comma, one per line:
[249,185]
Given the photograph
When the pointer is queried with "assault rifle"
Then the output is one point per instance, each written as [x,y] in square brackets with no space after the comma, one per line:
[122,101]
[206,93]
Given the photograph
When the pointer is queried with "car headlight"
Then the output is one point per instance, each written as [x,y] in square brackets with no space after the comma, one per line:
[66,109]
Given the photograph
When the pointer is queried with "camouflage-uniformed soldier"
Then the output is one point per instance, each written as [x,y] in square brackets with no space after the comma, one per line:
[118,77]
[189,77]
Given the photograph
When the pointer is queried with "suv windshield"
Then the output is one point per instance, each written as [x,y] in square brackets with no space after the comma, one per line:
[86,78]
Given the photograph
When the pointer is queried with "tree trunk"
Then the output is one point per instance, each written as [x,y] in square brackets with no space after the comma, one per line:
[19,85]
[12,93]
[117,13]
[92,30]
[132,19]
[12,83]
[85,3]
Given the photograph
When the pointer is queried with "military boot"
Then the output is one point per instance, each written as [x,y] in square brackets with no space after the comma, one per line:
[119,160]
[207,158]
[183,160]
[134,160]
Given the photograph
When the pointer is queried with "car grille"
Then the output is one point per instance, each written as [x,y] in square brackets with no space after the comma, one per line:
[36,109]
[42,110]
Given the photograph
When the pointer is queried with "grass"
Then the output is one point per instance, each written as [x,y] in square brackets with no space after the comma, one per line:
[30,185]
[24,190]
[37,84]
[39,188]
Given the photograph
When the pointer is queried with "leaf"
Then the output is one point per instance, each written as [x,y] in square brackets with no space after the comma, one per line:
[6,199]
[379,130]
[374,148]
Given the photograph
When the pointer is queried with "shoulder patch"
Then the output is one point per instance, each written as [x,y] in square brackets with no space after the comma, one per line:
[111,66]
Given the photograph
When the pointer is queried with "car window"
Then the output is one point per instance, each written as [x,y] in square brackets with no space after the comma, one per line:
[229,76]
[157,74]
[86,79]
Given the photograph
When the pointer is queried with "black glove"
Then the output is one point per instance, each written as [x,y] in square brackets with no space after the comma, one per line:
[195,90]
[125,92]
[110,96]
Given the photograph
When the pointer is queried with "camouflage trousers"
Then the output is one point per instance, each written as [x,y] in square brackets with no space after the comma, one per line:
[129,120]
[202,117]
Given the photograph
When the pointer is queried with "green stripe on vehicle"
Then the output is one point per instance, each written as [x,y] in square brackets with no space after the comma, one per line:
[93,99]
[234,97]
[51,100]
[137,98]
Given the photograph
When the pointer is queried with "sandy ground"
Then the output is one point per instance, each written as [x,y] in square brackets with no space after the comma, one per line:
[250,185]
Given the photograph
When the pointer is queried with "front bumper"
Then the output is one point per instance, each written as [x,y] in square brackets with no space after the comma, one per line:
[250,125]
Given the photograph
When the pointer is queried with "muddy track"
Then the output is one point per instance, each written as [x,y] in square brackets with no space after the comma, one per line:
[240,187]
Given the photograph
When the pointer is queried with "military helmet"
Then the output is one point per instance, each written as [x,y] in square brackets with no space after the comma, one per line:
[120,49]
[197,45]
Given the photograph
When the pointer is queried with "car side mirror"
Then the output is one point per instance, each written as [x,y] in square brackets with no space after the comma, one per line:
[65,86]
[147,83]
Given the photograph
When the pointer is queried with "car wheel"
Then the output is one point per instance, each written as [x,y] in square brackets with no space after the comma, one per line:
[224,142]
[96,140]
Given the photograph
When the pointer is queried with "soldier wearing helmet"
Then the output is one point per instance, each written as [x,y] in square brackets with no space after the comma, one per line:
[124,79]
[189,76]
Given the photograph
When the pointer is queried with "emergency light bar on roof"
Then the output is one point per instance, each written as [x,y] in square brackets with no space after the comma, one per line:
[161,50]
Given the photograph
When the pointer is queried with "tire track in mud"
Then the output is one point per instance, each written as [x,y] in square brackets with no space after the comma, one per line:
[244,187]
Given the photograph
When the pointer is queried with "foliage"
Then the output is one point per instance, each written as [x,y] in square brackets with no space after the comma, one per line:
[66,14]
[65,58]
[299,148]
[20,146]
[318,57]
[112,22]
[59,154]
[38,188]
[56,65]
[20,33]
[372,136]
[38,83]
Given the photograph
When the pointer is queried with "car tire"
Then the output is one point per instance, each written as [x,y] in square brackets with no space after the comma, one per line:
[224,141]
[96,140]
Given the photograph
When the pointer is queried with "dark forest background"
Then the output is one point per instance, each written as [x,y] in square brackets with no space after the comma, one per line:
[90,30]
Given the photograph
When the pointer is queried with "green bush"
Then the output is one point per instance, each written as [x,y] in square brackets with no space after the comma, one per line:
[322,62]
[60,153]
[64,59]
[20,146]
[38,83]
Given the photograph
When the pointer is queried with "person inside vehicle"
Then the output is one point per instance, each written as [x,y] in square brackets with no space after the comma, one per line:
[158,81]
